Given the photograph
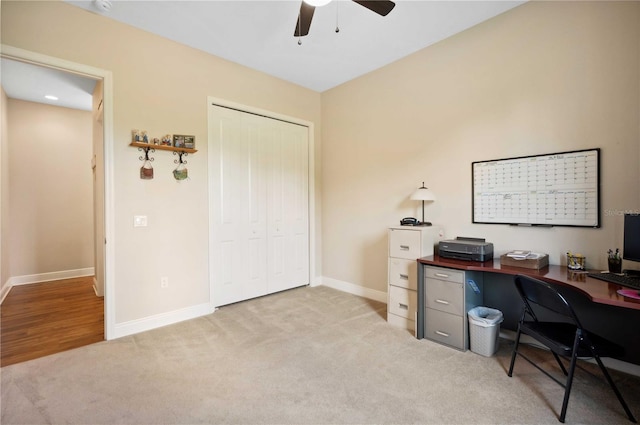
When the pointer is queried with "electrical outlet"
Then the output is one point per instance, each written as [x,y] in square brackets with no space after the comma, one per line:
[164,282]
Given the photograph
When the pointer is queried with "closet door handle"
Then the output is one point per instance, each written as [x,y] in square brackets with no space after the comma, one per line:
[404,247]
[404,276]
[403,306]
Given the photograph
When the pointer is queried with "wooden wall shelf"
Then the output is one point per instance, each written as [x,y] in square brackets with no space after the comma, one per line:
[162,147]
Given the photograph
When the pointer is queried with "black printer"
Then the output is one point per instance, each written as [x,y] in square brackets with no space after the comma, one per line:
[470,249]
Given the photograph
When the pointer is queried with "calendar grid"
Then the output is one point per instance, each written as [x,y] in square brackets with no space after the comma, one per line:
[560,189]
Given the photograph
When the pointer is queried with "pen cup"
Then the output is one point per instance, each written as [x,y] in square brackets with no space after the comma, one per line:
[615,265]
[575,262]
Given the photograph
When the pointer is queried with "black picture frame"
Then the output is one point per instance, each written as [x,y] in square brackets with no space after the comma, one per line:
[556,189]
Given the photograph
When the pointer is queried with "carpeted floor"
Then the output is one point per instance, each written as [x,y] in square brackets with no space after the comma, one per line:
[305,356]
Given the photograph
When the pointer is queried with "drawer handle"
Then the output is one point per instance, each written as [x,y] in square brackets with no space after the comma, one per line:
[442,275]
[403,306]
[442,302]
[404,276]
[442,334]
[404,247]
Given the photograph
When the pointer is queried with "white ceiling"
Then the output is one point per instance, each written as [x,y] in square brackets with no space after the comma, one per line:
[29,82]
[259,34]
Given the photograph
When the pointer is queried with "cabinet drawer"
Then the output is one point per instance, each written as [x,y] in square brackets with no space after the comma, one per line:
[444,296]
[403,273]
[405,244]
[402,302]
[444,328]
[449,275]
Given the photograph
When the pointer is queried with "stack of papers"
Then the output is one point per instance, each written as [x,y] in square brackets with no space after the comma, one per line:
[524,255]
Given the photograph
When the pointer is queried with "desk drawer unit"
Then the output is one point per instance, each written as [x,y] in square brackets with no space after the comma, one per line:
[445,296]
[448,295]
[445,328]
[406,245]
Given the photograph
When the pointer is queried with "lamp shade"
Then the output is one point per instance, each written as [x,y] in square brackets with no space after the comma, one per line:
[423,194]
[317,3]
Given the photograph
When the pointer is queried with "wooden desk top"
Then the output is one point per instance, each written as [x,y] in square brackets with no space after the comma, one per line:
[598,291]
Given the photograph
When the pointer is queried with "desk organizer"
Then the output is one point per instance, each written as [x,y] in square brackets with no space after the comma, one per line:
[529,263]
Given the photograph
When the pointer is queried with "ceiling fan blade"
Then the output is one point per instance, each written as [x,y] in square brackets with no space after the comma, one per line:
[304,19]
[381,7]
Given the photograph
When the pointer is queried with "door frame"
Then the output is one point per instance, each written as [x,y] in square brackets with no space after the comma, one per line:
[211,100]
[106,76]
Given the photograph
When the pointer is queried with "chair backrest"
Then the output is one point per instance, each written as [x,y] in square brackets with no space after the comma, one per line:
[535,292]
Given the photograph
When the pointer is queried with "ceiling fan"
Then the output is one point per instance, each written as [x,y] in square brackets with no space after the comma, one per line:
[307,7]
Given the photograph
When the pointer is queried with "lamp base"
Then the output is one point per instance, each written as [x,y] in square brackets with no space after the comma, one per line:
[424,223]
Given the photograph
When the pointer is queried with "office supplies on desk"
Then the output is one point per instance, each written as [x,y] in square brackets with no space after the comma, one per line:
[576,261]
[525,259]
[619,279]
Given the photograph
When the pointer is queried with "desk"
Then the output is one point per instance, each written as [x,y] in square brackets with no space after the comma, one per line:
[597,302]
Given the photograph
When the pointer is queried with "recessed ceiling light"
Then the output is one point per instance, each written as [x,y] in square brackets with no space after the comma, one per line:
[50,97]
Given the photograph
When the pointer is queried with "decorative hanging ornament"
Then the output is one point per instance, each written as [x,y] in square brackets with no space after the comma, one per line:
[146,171]
[181,172]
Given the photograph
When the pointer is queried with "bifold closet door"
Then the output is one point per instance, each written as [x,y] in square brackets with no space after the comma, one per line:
[259,205]
[288,208]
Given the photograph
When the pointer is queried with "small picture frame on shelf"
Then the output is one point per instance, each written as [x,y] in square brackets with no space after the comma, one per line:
[136,136]
[190,142]
[178,141]
[166,140]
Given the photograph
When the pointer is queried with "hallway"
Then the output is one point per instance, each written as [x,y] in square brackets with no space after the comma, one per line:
[48,317]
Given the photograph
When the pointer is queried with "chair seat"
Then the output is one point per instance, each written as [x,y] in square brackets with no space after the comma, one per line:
[539,298]
[559,337]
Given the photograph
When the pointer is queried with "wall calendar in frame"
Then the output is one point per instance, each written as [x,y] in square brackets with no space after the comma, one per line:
[559,189]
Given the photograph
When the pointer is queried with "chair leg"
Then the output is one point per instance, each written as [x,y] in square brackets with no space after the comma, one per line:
[515,352]
[560,363]
[614,388]
[567,387]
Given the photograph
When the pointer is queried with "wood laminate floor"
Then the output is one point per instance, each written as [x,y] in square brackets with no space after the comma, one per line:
[45,318]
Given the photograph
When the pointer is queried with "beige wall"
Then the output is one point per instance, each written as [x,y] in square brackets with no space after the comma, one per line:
[541,78]
[50,188]
[162,87]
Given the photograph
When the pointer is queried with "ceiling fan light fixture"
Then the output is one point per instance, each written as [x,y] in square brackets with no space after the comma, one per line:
[317,3]
[102,5]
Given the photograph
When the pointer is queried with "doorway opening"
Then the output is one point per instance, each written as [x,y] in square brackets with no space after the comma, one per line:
[101,164]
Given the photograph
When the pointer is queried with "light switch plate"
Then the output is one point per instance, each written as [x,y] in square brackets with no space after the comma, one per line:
[139,221]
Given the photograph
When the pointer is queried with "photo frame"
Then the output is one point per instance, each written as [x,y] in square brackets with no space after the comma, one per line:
[190,142]
[178,141]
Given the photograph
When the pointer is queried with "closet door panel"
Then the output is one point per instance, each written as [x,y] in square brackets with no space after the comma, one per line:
[258,141]
[300,206]
[288,209]
[229,216]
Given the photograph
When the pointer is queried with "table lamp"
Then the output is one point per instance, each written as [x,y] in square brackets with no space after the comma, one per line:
[423,194]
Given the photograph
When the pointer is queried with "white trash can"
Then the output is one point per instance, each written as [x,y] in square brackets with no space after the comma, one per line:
[484,330]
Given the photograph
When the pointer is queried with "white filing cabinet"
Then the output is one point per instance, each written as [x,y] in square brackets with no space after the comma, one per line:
[406,245]
[449,294]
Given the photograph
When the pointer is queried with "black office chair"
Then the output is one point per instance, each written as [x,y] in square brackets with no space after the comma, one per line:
[565,337]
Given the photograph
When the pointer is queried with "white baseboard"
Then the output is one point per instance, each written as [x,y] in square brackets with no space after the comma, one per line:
[4,291]
[160,320]
[354,289]
[43,277]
